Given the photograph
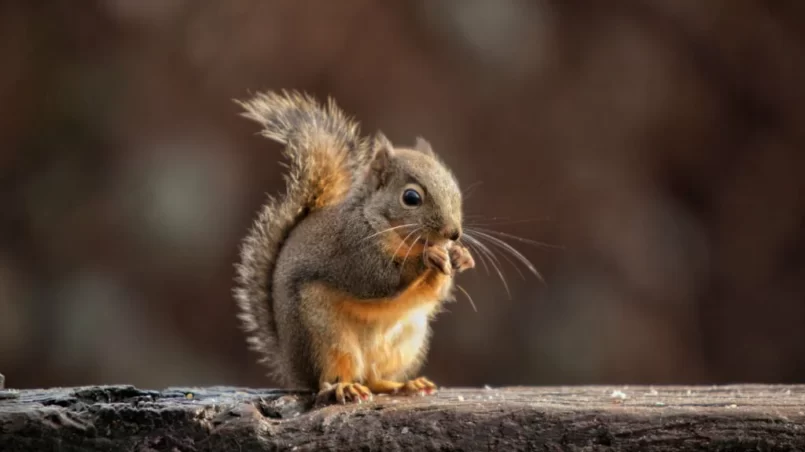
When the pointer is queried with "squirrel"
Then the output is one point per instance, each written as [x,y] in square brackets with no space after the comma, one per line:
[339,277]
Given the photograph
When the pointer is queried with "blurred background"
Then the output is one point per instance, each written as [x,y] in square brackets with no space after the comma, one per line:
[659,143]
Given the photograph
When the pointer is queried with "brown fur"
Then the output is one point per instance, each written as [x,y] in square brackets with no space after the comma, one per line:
[322,162]
[378,339]
[395,246]
[328,292]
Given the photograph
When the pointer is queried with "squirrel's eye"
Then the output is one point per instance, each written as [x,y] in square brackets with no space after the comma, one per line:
[411,198]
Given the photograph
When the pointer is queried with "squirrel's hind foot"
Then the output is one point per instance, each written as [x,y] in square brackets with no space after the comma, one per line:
[420,386]
[343,393]
[417,386]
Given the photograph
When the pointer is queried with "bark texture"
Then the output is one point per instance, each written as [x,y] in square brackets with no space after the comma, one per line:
[124,418]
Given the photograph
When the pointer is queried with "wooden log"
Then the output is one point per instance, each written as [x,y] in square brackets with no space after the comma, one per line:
[124,418]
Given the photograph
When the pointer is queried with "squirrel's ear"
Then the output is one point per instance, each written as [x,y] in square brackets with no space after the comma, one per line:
[423,146]
[381,162]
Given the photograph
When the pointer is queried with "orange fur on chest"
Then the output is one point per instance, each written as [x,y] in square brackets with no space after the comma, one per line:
[376,339]
[423,292]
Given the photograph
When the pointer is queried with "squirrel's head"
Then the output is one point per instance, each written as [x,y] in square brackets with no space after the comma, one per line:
[413,192]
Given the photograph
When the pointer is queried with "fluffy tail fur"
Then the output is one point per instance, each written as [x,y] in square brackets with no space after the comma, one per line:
[324,151]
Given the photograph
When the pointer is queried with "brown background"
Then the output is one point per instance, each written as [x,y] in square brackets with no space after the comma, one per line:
[659,142]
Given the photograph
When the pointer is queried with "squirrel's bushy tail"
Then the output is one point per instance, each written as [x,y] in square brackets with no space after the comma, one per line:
[324,151]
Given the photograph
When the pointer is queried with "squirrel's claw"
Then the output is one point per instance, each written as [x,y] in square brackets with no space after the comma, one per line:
[436,257]
[460,258]
[420,386]
[343,393]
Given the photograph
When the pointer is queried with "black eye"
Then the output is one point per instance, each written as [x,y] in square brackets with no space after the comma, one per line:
[411,198]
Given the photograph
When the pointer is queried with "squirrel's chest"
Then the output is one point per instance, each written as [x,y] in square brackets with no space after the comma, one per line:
[423,295]
[389,349]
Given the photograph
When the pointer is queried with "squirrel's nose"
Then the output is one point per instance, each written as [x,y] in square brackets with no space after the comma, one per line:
[452,233]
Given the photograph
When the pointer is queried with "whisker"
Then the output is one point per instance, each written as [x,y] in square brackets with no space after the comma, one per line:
[426,246]
[469,215]
[468,297]
[492,260]
[496,221]
[514,266]
[409,251]
[506,247]
[480,255]
[387,230]
[467,192]
[514,237]
[394,254]
[485,250]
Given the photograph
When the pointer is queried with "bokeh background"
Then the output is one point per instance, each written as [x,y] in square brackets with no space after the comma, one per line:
[659,143]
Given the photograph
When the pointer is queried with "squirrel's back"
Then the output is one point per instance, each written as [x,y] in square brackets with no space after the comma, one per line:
[324,150]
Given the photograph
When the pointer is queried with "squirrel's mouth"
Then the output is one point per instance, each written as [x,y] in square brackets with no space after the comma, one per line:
[434,239]
[406,245]
[419,236]
[414,239]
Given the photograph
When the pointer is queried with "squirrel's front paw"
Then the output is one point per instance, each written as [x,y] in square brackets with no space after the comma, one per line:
[460,258]
[436,257]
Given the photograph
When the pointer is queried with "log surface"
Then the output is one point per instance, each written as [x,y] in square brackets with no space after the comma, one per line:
[124,418]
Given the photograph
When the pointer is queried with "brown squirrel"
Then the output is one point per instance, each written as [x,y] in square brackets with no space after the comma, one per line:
[340,277]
